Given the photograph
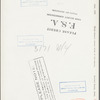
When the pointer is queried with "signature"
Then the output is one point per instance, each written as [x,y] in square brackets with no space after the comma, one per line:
[59,47]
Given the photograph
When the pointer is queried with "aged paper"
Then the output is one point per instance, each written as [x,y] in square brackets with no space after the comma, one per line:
[49,50]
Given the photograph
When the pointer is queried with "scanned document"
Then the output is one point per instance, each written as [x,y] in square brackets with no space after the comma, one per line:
[49,49]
